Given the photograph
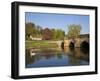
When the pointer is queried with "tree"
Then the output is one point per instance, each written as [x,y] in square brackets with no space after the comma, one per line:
[57,34]
[74,31]
[60,34]
[39,31]
[47,34]
[28,29]
[33,30]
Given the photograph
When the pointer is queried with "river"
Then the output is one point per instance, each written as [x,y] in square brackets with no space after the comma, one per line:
[56,57]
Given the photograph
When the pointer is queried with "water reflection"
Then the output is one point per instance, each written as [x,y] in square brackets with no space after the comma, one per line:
[52,57]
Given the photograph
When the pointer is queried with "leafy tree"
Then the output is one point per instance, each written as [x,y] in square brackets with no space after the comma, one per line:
[47,34]
[29,29]
[53,33]
[39,31]
[74,31]
[33,30]
[58,34]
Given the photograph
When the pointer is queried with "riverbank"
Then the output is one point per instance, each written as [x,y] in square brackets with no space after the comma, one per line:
[40,44]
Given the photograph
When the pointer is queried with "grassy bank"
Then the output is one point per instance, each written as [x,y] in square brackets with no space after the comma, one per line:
[40,44]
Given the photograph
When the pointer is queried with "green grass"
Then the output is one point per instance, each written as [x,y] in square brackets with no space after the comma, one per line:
[39,44]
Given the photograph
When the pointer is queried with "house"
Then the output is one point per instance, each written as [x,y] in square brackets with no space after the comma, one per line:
[34,38]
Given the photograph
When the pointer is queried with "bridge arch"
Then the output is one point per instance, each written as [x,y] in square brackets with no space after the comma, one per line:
[62,44]
[84,44]
[72,44]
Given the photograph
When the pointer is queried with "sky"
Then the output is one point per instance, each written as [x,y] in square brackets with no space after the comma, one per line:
[58,21]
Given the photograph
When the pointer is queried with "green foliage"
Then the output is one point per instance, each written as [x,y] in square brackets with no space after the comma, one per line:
[74,30]
[45,34]
[58,34]
[28,30]
[33,30]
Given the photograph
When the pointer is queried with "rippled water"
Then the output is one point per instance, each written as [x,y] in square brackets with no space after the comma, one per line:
[54,57]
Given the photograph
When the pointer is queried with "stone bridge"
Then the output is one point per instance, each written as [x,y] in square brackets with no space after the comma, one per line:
[78,42]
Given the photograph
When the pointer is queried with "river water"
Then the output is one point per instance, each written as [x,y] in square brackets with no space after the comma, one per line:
[55,57]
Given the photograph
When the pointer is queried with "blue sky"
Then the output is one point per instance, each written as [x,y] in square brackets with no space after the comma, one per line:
[58,21]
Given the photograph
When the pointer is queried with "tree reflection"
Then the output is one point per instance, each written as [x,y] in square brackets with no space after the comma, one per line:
[28,58]
[73,60]
[74,56]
